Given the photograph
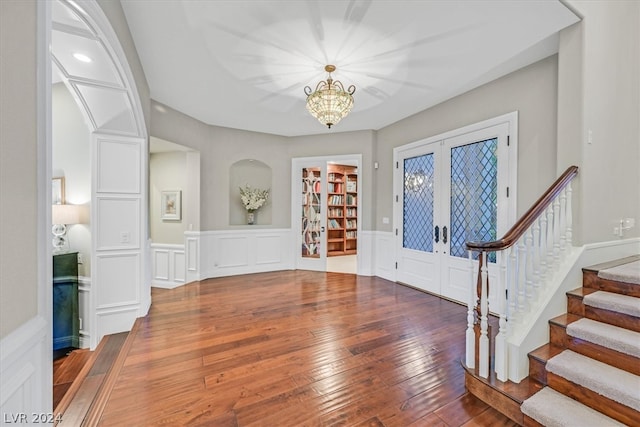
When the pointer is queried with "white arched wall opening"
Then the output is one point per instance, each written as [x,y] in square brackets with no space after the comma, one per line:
[119,289]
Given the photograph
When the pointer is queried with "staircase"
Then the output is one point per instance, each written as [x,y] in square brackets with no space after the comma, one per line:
[591,366]
[83,381]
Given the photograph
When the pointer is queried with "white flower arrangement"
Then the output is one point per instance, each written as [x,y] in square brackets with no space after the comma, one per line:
[253,198]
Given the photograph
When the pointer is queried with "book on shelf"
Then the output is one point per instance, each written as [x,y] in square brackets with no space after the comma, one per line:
[336,199]
[334,224]
[352,186]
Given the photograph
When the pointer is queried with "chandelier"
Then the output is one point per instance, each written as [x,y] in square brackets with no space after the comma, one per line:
[329,103]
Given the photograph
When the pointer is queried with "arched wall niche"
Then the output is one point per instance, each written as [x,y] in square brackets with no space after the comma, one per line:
[255,174]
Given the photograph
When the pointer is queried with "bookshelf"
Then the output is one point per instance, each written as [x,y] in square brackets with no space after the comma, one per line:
[342,210]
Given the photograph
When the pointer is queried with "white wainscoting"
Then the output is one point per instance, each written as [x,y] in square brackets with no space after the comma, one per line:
[168,265]
[366,265]
[232,252]
[25,369]
[384,255]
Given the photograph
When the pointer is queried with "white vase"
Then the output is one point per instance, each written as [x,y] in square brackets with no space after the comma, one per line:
[251,218]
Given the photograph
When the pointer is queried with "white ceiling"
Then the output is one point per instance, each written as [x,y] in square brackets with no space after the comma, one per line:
[244,64]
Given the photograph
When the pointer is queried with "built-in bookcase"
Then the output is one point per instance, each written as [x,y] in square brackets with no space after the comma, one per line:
[342,210]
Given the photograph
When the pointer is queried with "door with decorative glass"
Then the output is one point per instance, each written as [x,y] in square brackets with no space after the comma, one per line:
[309,182]
[450,191]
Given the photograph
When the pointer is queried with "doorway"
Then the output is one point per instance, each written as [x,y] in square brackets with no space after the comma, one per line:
[452,188]
[326,210]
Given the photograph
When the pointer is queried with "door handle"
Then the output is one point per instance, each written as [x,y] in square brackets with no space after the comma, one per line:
[436,233]
[444,234]
[322,229]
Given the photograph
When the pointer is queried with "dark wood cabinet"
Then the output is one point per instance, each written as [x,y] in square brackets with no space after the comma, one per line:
[66,321]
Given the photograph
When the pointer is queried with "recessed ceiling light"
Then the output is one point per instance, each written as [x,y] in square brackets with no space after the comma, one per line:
[82,57]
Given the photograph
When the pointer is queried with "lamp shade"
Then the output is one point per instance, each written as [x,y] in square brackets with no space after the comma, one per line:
[65,214]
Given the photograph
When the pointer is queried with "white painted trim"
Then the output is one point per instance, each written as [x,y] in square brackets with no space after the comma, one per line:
[25,367]
[384,255]
[365,260]
[98,22]
[33,344]
[232,252]
[175,270]
[296,164]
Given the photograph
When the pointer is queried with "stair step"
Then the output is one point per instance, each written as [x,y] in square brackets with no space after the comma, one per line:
[550,408]
[557,329]
[560,338]
[76,403]
[591,279]
[628,273]
[614,302]
[574,300]
[595,307]
[538,361]
[613,337]
[607,389]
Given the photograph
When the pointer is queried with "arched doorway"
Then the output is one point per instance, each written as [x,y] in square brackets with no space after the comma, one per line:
[90,61]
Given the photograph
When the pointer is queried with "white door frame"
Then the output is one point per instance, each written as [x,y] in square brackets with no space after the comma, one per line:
[507,211]
[297,163]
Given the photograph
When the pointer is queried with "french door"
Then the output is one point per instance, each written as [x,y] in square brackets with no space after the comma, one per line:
[309,213]
[319,217]
[450,190]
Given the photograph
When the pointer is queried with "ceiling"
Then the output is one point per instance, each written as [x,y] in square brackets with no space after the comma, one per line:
[244,64]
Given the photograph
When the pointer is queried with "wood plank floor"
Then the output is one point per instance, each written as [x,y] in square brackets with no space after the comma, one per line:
[297,348]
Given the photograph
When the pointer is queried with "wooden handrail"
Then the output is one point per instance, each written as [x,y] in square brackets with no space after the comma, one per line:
[528,218]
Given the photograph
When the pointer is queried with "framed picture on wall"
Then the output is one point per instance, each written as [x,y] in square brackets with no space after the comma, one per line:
[57,191]
[171,205]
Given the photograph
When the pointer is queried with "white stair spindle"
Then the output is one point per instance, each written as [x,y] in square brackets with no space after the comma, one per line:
[550,265]
[522,279]
[529,291]
[556,233]
[569,217]
[542,250]
[470,356]
[563,223]
[513,284]
[501,368]
[484,321]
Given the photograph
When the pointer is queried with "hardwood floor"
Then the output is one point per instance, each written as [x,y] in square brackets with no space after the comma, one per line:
[297,348]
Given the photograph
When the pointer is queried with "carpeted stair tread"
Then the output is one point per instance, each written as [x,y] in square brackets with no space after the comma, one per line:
[628,273]
[613,383]
[603,334]
[554,409]
[614,302]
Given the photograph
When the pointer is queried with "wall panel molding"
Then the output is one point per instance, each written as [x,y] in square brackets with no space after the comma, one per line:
[169,267]
[21,369]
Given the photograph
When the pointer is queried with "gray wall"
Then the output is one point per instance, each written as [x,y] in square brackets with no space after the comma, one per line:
[168,171]
[221,147]
[18,165]
[532,91]
[599,115]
